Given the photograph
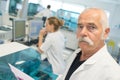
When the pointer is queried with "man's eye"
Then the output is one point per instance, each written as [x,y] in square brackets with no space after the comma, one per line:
[80,26]
[91,27]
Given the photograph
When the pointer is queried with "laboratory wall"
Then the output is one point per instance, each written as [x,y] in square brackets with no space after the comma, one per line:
[114,38]
[112,7]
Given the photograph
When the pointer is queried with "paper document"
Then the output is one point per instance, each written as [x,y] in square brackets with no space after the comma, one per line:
[19,74]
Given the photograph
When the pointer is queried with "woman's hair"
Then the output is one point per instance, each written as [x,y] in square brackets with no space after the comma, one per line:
[57,23]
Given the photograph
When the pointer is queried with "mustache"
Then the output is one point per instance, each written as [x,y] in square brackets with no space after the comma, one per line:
[85,39]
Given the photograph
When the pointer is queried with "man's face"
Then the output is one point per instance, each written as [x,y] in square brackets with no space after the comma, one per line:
[90,32]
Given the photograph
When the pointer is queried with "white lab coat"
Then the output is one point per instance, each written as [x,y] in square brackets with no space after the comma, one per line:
[101,66]
[44,13]
[53,47]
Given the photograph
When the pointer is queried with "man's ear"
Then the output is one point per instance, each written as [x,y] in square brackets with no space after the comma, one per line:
[107,30]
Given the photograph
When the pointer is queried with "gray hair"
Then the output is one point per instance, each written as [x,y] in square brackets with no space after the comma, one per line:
[104,20]
[103,16]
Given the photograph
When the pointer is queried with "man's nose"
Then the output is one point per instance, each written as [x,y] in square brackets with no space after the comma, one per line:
[84,31]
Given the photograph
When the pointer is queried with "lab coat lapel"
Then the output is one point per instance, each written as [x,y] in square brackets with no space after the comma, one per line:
[86,65]
[71,59]
[91,61]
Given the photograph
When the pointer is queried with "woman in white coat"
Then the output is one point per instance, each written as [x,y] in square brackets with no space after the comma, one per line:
[54,44]
[92,61]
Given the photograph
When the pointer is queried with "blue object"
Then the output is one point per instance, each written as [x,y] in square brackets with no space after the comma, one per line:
[5,72]
[0,13]
[29,61]
[1,41]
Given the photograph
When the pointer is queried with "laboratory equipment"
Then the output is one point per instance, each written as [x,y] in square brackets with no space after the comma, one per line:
[19,29]
[5,32]
[34,28]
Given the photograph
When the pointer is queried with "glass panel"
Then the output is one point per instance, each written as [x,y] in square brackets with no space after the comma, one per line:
[69,17]
[12,7]
[34,8]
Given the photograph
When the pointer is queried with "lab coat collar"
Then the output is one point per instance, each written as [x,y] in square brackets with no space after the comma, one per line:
[92,60]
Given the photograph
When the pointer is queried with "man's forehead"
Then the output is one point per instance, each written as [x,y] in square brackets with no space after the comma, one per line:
[89,15]
[91,11]
[89,18]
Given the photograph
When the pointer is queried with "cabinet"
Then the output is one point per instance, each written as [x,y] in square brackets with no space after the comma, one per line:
[70,18]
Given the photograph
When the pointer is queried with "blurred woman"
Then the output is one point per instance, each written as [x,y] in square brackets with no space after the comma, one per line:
[54,44]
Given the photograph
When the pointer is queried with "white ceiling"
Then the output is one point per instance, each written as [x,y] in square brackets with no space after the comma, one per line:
[106,1]
[111,1]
